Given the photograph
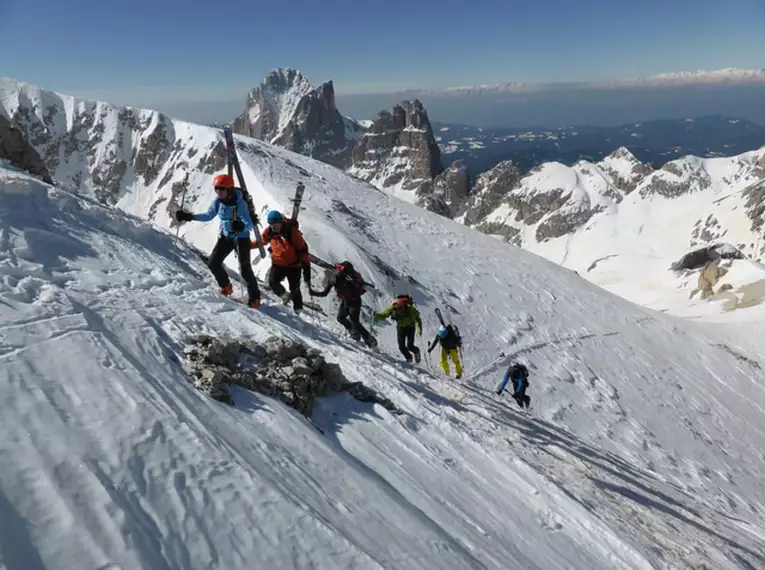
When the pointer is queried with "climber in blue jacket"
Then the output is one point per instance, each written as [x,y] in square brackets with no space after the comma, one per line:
[235,224]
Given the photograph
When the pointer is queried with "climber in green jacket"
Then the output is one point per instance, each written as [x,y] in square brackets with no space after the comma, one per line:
[407,318]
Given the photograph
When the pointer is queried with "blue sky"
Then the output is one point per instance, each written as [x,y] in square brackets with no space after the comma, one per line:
[199,51]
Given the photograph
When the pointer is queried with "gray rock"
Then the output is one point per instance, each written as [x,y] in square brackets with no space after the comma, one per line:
[285,110]
[285,371]
[399,147]
[15,148]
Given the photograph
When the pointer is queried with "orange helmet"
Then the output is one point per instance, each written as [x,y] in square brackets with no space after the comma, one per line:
[223,181]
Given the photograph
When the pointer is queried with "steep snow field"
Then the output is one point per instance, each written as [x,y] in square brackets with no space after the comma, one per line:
[643,448]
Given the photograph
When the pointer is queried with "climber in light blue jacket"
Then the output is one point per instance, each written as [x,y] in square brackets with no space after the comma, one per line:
[235,224]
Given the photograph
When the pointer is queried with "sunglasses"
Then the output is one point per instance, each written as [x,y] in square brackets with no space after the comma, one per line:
[221,189]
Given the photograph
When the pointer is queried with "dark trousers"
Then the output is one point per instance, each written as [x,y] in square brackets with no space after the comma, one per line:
[520,383]
[221,251]
[406,343]
[293,278]
[348,315]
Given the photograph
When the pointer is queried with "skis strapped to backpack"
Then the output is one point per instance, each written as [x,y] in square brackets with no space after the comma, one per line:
[234,166]
[297,200]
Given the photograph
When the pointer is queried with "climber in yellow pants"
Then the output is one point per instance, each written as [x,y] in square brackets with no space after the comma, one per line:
[450,340]
[455,356]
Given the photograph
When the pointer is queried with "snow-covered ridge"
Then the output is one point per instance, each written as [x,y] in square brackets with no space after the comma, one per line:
[618,214]
[637,455]
[730,75]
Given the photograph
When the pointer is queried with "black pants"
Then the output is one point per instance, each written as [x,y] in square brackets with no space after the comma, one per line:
[221,251]
[406,343]
[293,278]
[520,383]
[348,315]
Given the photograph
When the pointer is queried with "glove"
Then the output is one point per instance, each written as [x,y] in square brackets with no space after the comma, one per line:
[237,226]
[182,216]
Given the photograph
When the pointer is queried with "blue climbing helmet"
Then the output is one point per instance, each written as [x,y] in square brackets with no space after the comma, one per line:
[442,332]
[274,217]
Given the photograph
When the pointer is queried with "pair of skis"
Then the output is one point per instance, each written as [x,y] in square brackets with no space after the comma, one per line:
[233,166]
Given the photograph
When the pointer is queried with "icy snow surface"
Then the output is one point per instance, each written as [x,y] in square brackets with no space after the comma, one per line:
[643,448]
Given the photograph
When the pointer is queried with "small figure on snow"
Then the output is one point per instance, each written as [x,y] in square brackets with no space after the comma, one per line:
[349,286]
[407,317]
[449,337]
[519,375]
[289,256]
[232,210]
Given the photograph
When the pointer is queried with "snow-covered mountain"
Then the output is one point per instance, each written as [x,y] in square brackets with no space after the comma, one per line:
[728,75]
[286,110]
[622,224]
[396,151]
[642,450]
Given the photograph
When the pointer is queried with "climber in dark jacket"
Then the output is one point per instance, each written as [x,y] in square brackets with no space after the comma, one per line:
[349,286]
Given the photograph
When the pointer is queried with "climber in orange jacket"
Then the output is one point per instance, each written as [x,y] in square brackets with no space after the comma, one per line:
[289,255]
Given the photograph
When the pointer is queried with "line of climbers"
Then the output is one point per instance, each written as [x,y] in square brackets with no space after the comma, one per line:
[290,260]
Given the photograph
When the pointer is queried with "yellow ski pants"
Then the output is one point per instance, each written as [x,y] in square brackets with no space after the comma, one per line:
[455,355]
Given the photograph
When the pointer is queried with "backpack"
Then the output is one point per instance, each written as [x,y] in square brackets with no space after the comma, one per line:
[250,205]
[352,278]
[287,226]
[456,332]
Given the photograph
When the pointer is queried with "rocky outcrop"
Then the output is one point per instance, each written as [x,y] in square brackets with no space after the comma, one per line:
[491,188]
[446,193]
[15,148]
[398,150]
[279,368]
[98,147]
[677,178]
[286,110]
[624,170]
[702,256]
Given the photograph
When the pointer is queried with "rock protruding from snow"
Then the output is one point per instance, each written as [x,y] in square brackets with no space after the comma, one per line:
[447,193]
[399,150]
[702,256]
[677,178]
[280,368]
[624,169]
[15,148]
[286,110]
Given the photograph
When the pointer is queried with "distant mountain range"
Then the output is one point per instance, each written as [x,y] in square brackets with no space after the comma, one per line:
[652,142]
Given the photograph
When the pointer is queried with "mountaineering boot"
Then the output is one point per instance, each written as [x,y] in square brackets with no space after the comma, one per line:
[417,357]
[227,290]
[522,399]
[254,303]
[286,298]
[370,341]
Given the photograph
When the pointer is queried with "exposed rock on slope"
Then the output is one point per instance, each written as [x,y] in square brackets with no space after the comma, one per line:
[280,368]
[286,110]
[14,147]
[447,192]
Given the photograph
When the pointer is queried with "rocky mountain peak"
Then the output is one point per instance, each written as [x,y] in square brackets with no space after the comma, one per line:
[286,110]
[399,149]
[624,169]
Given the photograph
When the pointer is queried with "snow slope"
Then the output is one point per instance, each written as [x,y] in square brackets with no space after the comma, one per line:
[643,449]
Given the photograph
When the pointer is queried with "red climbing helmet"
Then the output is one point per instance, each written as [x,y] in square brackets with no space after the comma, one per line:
[223,181]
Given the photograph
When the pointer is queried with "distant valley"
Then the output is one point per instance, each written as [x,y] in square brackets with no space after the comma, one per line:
[652,142]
